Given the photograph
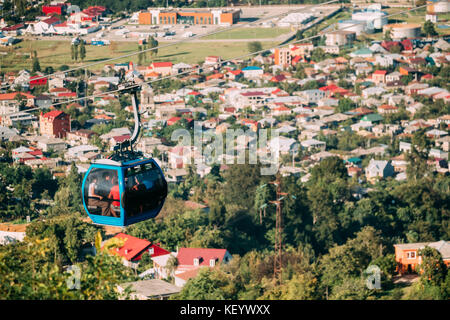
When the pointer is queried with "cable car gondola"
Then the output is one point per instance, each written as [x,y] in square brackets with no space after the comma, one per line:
[125,188]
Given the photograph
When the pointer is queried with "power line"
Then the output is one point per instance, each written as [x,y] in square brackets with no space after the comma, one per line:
[192,70]
[237,26]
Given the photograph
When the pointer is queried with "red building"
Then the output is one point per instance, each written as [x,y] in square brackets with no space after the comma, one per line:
[54,124]
[59,9]
[37,81]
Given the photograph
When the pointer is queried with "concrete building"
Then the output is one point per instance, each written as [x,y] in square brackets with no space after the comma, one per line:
[54,124]
[197,16]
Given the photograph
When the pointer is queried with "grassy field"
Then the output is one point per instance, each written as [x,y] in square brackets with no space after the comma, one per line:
[250,33]
[56,53]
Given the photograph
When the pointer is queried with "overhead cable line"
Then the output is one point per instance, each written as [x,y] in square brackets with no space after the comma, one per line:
[219,63]
[237,26]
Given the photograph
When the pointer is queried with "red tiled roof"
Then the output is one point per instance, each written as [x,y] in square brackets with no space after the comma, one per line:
[67,94]
[236,72]
[53,114]
[186,256]
[162,64]
[132,248]
[122,138]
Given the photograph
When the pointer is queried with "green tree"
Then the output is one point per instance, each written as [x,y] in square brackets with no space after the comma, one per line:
[82,51]
[74,52]
[209,284]
[153,44]
[428,29]
[36,66]
[254,46]
[432,269]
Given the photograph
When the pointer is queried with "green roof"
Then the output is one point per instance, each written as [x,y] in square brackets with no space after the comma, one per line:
[362,51]
[354,160]
[373,117]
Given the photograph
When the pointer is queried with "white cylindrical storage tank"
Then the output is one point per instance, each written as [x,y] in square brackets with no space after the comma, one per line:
[352,25]
[378,18]
[403,30]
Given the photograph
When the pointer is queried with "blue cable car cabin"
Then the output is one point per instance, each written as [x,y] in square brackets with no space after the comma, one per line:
[119,193]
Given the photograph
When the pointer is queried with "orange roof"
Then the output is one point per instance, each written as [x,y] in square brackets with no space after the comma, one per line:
[387,107]
[186,275]
[152,74]
[12,95]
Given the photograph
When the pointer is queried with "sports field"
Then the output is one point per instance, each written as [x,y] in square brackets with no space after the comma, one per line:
[56,53]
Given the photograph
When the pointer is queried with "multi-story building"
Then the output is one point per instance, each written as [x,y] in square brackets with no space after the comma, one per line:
[197,16]
[54,124]
[283,57]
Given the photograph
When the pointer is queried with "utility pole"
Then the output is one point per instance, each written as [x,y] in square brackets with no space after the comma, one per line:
[278,262]
[85,87]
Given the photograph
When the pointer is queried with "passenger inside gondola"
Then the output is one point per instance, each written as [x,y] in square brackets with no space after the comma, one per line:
[114,197]
[97,191]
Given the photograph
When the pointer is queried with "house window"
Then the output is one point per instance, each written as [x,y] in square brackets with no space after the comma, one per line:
[212,262]
[411,255]
[196,261]
[151,251]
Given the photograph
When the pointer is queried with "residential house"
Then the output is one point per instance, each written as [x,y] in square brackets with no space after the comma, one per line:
[387,109]
[379,169]
[252,72]
[43,101]
[408,257]
[10,102]
[47,144]
[313,95]
[379,76]
[81,136]
[133,248]
[393,76]
[151,289]
[283,145]
[162,68]
[80,151]
[313,144]
[190,260]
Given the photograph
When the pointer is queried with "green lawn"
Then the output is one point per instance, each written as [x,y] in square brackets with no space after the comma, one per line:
[56,53]
[250,33]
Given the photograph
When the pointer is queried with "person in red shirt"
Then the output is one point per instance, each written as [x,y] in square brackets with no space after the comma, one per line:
[114,195]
